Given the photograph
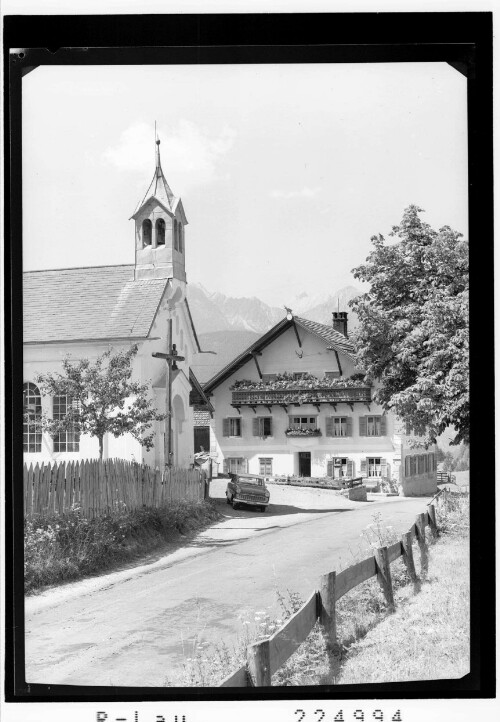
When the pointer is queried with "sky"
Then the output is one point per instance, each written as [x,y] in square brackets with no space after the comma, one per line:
[285,171]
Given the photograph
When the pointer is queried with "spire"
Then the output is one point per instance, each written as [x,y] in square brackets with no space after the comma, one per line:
[158,187]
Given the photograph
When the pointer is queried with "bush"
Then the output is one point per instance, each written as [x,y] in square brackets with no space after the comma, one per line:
[58,548]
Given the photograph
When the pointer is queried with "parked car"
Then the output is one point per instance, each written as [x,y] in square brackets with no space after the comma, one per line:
[247,489]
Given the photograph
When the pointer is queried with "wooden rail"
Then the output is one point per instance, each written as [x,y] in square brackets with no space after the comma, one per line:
[264,658]
[98,487]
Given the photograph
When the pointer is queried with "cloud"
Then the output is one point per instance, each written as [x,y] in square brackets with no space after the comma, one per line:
[304,193]
[189,155]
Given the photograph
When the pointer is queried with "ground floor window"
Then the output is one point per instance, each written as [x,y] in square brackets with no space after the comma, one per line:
[374,466]
[236,465]
[266,467]
[32,411]
[68,440]
[340,467]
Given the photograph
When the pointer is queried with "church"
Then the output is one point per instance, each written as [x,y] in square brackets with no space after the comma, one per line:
[83,312]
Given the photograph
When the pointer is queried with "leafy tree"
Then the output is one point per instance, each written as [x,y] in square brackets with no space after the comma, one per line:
[103,398]
[414,335]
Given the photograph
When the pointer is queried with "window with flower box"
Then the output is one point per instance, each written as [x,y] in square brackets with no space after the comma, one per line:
[302,422]
[231,426]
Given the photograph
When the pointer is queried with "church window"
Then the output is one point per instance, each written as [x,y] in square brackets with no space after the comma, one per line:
[160,232]
[181,236]
[176,238]
[32,408]
[147,232]
[69,439]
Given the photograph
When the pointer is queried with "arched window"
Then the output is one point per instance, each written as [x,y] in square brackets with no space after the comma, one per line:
[160,232]
[181,236]
[176,237]
[147,232]
[32,411]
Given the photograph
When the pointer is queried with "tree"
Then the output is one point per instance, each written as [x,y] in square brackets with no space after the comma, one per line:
[413,336]
[103,398]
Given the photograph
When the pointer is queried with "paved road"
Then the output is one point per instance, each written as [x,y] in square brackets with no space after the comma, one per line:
[136,627]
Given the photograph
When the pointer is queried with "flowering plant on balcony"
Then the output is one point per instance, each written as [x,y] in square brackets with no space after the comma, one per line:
[307,381]
[291,431]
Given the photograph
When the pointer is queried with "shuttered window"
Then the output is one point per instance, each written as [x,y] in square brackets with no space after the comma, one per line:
[236,465]
[262,426]
[376,466]
[265,467]
[338,426]
[231,426]
[373,425]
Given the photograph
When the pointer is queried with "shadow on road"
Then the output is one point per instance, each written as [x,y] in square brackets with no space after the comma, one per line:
[273,510]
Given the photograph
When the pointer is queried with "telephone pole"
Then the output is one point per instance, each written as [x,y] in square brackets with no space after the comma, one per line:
[171,357]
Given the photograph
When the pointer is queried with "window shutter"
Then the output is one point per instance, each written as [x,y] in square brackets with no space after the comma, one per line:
[224,466]
[241,427]
[348,426]
[256,426]
[290,421]
[244,464]
[383,468]
[225,427]
[329,427]
[362,426]
[350,468]
[329,468]
[383,425]
[271,426]
[363,469]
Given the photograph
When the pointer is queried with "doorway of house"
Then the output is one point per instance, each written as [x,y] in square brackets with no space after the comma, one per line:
[304,463]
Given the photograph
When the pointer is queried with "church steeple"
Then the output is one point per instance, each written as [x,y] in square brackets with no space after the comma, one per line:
[159,229]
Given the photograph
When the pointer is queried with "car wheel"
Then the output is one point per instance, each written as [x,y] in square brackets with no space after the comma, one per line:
[262,508]
[235,504]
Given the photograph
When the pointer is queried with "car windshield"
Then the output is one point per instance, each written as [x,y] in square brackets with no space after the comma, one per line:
[250,480]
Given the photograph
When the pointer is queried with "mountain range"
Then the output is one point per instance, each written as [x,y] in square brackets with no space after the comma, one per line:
[228,325]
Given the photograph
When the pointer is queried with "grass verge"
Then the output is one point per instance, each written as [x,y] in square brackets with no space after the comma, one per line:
[427,637]
[71,546]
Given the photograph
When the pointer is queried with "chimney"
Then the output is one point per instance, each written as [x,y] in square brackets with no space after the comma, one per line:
[340,322]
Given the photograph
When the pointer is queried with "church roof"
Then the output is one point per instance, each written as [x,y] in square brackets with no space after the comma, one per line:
[101,302]
[334,341]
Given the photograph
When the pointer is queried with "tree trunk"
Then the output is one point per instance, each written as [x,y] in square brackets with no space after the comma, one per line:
[100,447]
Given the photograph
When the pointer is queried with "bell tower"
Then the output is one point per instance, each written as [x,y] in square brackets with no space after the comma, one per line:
[160,220]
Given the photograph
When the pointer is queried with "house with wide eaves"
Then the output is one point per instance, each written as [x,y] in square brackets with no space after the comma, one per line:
[294,404]
[82,312]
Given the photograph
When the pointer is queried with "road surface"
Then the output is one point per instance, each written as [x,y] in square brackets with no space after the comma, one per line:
[137,626]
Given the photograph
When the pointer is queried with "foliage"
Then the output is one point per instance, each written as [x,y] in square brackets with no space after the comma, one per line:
[58,548]
[413,334]
[292,431]
[104,398]
[307,381]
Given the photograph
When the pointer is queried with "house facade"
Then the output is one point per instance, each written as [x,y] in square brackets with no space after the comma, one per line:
[83,312]
[294,403]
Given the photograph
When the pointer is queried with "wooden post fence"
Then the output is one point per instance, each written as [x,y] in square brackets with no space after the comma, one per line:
[264,658]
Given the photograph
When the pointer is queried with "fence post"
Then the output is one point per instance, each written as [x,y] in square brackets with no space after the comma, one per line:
[326,606]
[420,527]
[259,663]
[384,575]
[432,521]
[406,543]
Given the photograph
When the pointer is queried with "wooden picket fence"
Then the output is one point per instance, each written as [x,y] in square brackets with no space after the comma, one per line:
[266,657]
[98,487]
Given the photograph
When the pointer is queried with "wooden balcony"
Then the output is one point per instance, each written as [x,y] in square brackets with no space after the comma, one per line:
[300,396]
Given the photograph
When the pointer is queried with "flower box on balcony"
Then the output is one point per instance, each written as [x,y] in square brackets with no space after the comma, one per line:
[303,432]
